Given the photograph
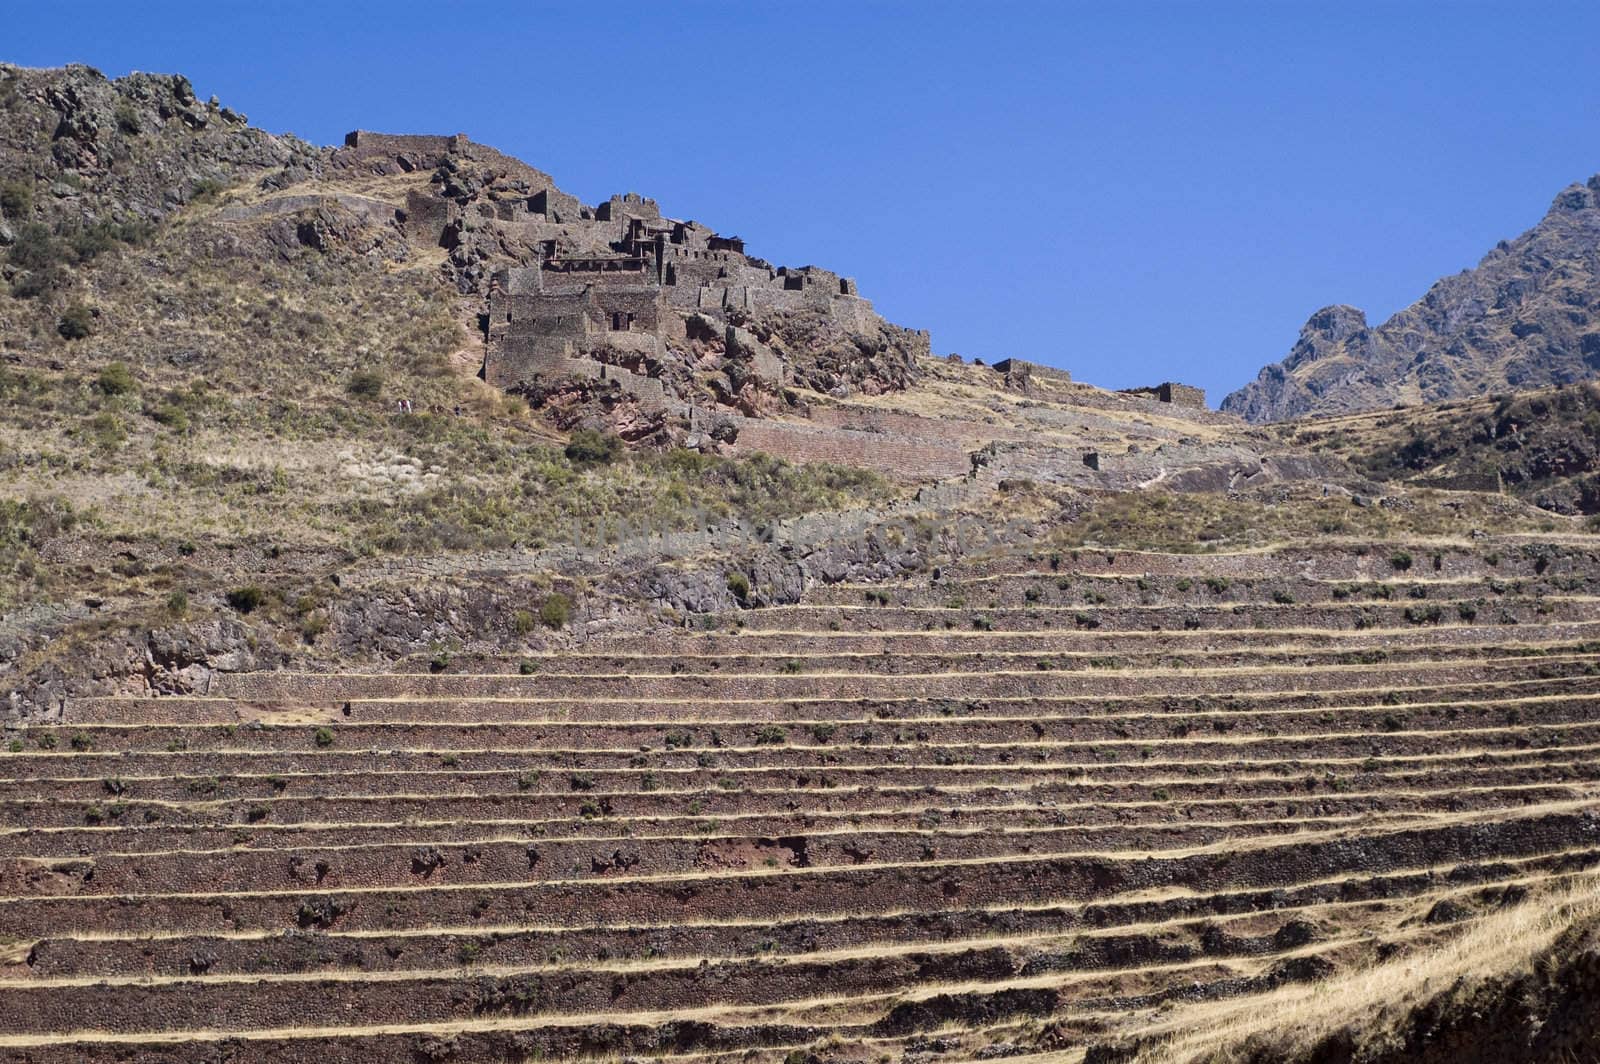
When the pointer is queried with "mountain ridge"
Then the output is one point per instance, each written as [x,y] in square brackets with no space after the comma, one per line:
[1526,316]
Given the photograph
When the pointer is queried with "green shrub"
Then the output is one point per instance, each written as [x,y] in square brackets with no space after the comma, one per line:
[588,447]
[523,621]
[85,243]
[555,610]
[247,598]
[116,379]
[1401,560]
[16,199]
[527,667]
[76,323]
[771,735]
[323,737]
[739,586]
[81,741]
[1429,614]
[315,624]
[107,431]
[206,190]
[365,385]
[128,119]
[35,248]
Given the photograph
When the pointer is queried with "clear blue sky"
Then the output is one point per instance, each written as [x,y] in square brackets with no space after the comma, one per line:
[1133,191]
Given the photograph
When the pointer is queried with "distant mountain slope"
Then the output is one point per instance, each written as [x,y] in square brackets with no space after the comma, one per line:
[1528,316]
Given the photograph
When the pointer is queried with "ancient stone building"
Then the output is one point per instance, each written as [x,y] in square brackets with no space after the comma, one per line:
[612,296]
[665,310]
[1171,392]
[1020,368]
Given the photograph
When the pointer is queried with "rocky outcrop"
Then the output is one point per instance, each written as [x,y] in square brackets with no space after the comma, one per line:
[78,147]
[1528,316]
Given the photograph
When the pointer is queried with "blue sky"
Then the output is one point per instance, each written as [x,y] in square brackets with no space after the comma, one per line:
[1132,191]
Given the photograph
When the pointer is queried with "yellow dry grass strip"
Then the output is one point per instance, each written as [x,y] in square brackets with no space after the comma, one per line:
[1365,634]
[1238,699]
[858,821]
[834,1007]
[1232,847]
[1295,1017]
[1045,745]
[1083,770]
[851,824]
[1046,608]
[1026,787]
[1400,909]
[957,581]
[1141,896]
[603,645]
[686,677]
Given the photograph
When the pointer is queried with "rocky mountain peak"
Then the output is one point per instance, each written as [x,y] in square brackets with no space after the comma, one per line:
[1527,316]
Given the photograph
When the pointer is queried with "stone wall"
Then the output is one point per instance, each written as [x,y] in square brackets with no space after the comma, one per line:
[890,453]
[1025,368]
[403,143]
[967,433]
[1171,392]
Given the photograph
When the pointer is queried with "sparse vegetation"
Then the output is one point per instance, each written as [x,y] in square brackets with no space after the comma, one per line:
[246,599]
[555,610]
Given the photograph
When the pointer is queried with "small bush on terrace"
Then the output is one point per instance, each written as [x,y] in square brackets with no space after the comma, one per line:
[1401,560]
[365,385]
[116,380]
[739,586]
[246,599]
[555,611]
[77,322]
[588,447]
[16,199]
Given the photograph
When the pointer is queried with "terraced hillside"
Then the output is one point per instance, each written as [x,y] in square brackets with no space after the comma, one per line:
[1023,805]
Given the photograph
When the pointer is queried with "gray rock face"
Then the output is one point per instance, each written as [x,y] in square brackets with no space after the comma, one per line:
[92,149]
[1528,316]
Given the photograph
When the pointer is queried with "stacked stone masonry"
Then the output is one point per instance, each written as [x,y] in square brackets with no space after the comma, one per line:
[984,809]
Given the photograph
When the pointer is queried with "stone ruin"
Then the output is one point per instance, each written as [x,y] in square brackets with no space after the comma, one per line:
[618,305]
[1171,392]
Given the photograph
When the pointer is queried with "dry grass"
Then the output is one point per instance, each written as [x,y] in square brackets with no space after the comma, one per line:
[1289,1021]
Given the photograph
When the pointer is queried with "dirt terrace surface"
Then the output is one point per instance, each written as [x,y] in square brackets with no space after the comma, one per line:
[972,817]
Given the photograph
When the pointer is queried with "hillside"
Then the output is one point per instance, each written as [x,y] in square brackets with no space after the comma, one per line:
[442,620]
[1541,446]
[1523,318]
